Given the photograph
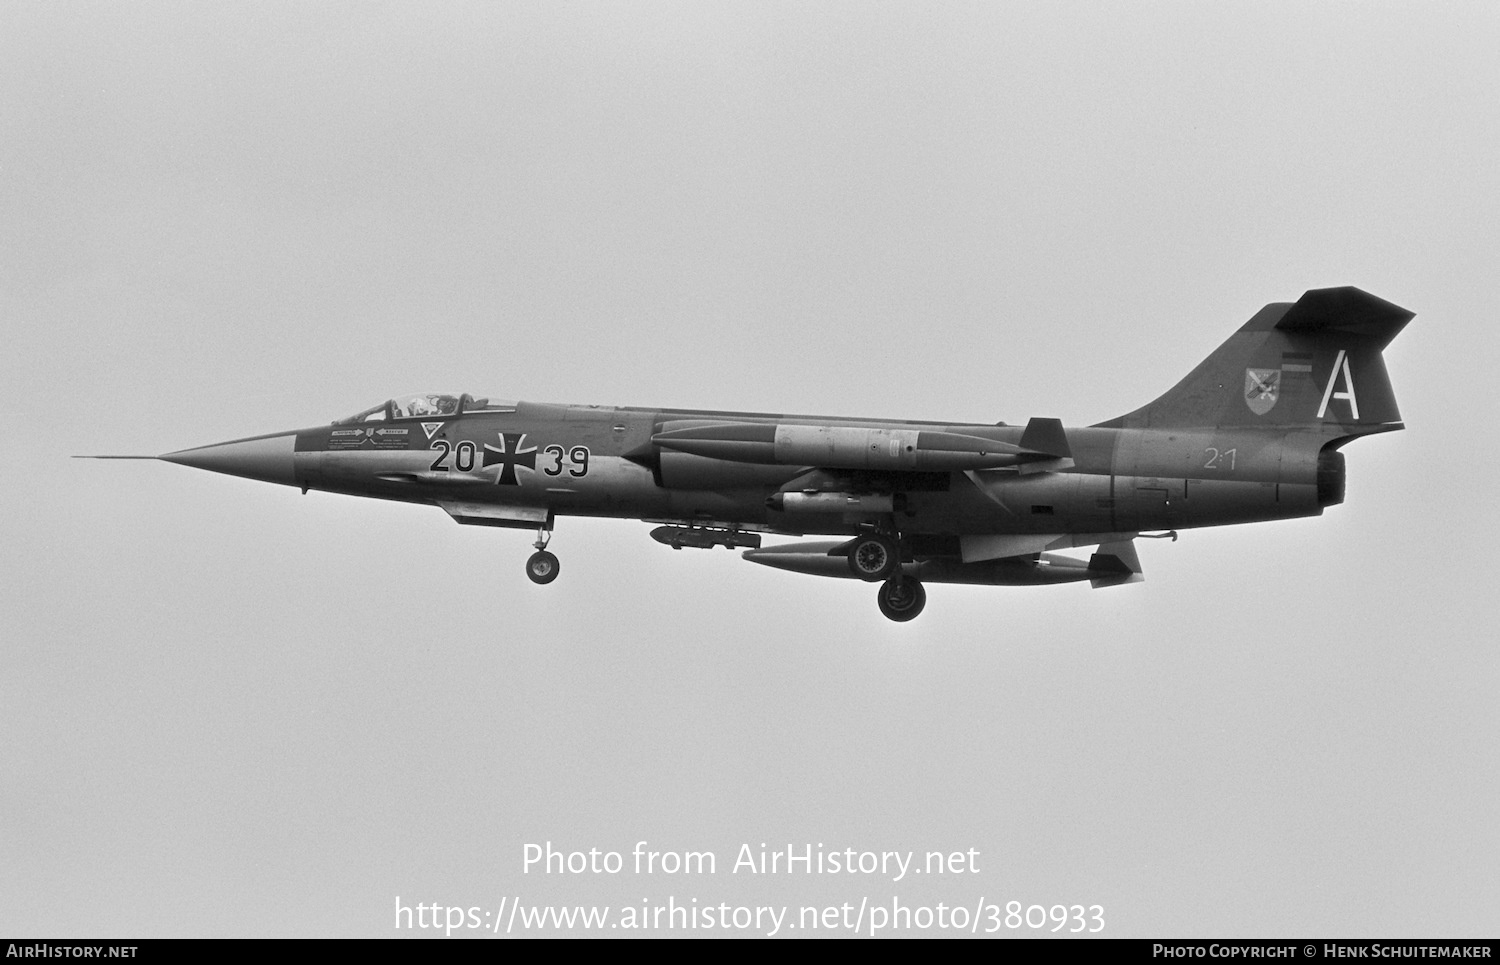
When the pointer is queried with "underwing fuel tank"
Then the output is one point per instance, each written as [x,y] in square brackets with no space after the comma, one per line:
[836,502]
[845,447]
[1113,564]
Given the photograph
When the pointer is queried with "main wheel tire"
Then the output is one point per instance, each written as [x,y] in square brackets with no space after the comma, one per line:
[873,558]
[542,567]
[902,599]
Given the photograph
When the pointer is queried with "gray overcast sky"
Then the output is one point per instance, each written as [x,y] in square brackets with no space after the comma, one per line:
[229,709]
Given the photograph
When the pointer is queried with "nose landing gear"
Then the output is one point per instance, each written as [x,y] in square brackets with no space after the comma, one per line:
[542,566]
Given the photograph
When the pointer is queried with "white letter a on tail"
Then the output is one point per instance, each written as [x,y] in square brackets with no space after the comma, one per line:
[1340,364]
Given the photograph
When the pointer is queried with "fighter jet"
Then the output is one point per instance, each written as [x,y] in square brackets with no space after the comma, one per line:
[1253,433]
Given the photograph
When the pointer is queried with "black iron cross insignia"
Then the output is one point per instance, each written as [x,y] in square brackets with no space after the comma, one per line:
[510,455]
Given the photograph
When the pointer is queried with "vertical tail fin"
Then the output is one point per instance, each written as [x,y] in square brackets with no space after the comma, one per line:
[1315,364]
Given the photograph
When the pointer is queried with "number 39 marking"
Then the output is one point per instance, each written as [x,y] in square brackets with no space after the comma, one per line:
[578,457]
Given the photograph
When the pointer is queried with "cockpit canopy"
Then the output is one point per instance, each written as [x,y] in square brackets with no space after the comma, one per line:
[428,405]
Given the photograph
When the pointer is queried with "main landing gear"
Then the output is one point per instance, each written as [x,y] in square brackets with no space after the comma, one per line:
[875,556]
[901,598]
[542,567]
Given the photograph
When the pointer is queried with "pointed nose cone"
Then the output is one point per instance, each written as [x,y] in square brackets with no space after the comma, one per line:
[268,458]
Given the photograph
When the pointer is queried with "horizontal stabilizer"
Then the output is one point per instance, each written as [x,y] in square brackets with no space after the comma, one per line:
[1346,310]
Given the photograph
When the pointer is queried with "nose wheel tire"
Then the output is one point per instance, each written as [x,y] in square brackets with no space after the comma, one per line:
[902,599]
[542,567]
[873,558]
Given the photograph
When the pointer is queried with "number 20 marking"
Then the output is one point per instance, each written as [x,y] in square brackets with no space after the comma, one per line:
[463,456]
